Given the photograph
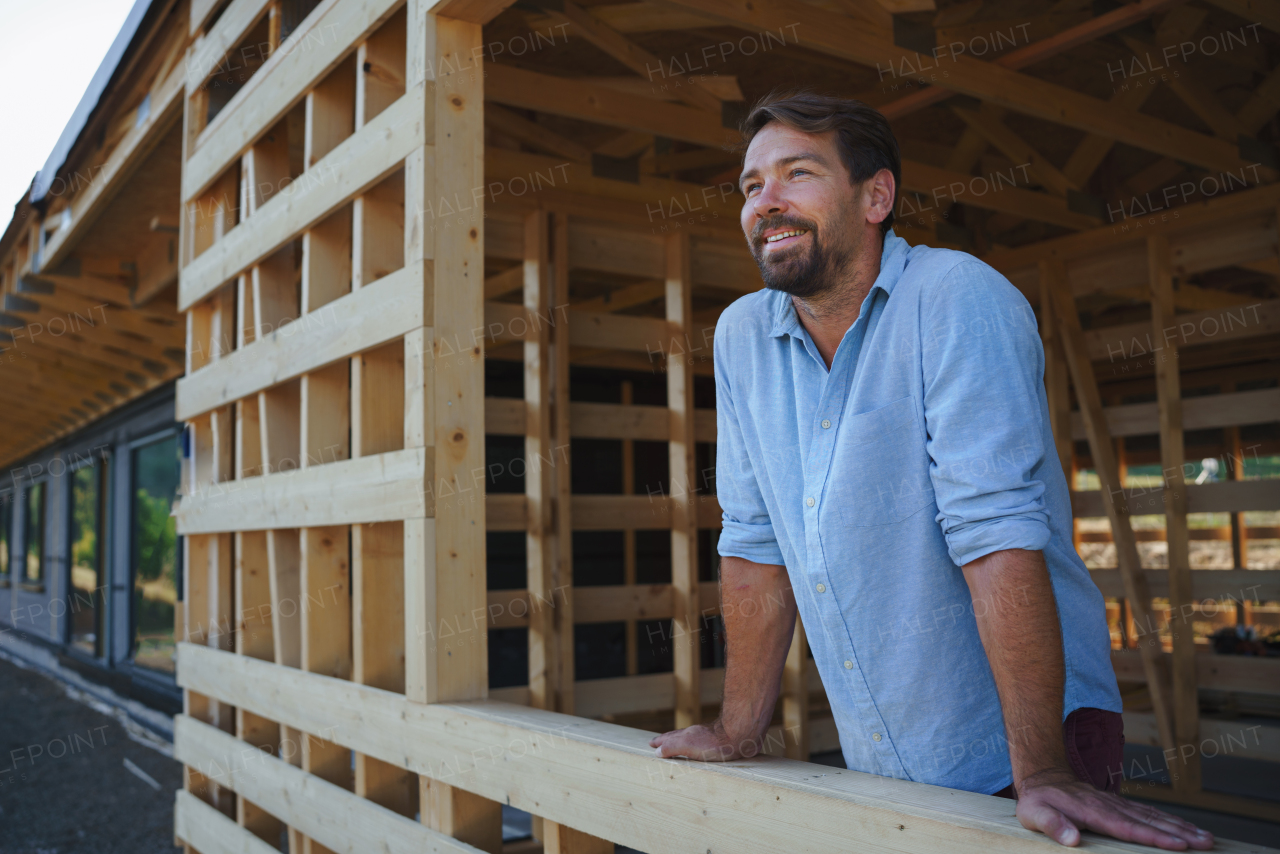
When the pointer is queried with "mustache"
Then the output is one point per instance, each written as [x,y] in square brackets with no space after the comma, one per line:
[757,233]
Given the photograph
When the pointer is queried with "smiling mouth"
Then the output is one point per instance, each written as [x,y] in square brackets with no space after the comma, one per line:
[785,236]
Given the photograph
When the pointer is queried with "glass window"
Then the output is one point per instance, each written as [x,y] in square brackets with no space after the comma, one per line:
[87,503]
[155,552]
[35,532]
[6,527]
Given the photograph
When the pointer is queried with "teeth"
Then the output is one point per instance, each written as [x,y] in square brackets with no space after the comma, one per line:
[777,237]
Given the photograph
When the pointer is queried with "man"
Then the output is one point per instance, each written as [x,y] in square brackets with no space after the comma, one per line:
[885,465]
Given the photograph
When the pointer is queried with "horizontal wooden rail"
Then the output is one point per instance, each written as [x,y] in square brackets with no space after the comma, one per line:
[1217,672]
[1241,585]
[217,45]
[210,832]
[605,604]
[306,56]
[1235,409]
[379,488]
[361,320]
[359,162]
[1231,496]
[604,779]
[1213,326]
[1157,535]
[1241,739]
[338,819]
[507,512]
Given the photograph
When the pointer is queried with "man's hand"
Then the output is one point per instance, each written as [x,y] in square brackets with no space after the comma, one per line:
[704,743]
[1058,805]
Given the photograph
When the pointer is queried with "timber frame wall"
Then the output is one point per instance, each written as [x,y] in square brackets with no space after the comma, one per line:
[335,517]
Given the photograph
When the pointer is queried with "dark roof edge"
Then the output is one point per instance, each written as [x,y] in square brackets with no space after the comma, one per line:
[89,101]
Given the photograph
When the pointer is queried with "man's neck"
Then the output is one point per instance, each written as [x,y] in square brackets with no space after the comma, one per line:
[828,316]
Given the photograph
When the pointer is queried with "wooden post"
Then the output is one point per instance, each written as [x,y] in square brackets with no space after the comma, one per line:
[1239,530]
[629,535]
[544,661]
[686,624]
[1186,703]
[444,554]
[1055,382]
[795,696]
[1114,499]
[564,461]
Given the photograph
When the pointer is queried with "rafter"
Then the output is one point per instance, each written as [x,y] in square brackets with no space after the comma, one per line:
[987,123]
[534,134]
[1092,150]
[628,53]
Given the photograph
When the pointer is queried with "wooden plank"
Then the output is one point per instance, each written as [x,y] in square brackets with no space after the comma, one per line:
[327,813]
[1242,673]
[762,805]
[604,604]
[1240,585]
[1244,739]
[562,839]
[210,832]
[993,82]
[515,87]
[539,481]
[1190,330]
[355,323]
[1186,702]
[379,488]
[1056,385]
[1222,497]
[1232,409]
[304,59]
[795,696]
[352,167]
[1117,509]
[377,610]
[683,485]
[567,510]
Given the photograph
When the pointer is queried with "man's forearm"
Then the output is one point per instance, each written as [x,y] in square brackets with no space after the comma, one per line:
[759,613]
[1018,622]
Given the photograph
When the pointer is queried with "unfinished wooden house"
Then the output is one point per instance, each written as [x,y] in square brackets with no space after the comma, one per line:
[437,281]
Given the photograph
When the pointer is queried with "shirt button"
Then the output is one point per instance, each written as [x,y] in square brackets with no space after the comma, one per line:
[822,588]
[825,424]
[848,665]
[809,501]
[875,736]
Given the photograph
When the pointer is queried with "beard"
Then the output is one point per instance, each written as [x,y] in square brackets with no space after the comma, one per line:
[803,271]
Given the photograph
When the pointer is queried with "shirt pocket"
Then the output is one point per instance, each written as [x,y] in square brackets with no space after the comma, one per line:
[880,469]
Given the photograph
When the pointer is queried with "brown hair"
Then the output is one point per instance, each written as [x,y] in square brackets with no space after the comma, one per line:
[863,136]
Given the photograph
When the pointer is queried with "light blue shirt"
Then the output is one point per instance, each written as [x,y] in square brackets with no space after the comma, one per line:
[926,446]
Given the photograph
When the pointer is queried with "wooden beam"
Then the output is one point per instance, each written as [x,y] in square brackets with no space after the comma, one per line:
[1252,10]
[686,624]
[1186,702]
[767,805]
[993,130]
[1116,505]
[514,124]
[1094,28]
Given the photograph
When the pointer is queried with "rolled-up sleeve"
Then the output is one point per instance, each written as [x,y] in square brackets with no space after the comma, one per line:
[747,530]
[983,372]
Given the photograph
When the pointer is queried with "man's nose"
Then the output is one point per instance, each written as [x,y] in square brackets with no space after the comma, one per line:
[769,201]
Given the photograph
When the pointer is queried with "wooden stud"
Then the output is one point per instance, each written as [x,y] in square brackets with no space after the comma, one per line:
[795,696]
[562,839]
[539,481]
[1056,386]
[444,554]
[686,626]
[629,534]
[1186,703]
[564,509]
[380,64]
[1114,500]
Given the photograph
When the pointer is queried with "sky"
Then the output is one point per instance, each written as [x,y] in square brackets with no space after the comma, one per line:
[49,50]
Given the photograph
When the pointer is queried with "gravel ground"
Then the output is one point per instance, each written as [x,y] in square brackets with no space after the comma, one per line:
[65,784]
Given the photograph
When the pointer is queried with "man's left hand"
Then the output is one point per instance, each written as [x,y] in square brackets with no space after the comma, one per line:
[1059,805]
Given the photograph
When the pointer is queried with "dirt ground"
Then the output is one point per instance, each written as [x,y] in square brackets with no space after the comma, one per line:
[65,787]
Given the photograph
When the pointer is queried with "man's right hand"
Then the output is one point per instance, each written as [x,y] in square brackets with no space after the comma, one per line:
[704,743]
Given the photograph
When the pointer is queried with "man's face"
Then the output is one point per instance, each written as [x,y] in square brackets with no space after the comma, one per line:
[800,216]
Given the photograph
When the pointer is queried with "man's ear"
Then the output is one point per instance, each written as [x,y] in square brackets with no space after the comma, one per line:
[881,191]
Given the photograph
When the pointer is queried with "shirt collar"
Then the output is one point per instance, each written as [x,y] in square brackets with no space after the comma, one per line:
[893,260]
